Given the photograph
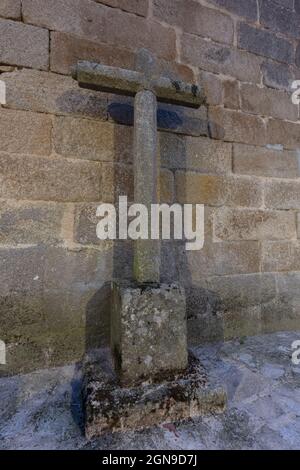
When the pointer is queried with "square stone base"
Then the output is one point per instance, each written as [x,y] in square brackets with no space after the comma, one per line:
[111,408]
[148,331]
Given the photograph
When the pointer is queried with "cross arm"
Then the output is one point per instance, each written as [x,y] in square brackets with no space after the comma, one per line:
[129,82]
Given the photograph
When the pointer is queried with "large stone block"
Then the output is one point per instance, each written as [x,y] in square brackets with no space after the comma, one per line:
[24,45]
[25,132]
[281,256]
[52,93]
[261,161]
[243,8]
[139,7]
[67,49]
[245,224]
[193,18]
[233,126]
[195,153]
[11,9]
[265,43]
[148,331]
[217,58]
[282,194]
[28,222]
[194,188]
[111,408]
[276,75]
[88,139]
[283,133]
[52,179]
[278,17]
[277,104]
[218,259]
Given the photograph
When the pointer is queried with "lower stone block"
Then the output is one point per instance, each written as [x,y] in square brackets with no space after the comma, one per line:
[111,408]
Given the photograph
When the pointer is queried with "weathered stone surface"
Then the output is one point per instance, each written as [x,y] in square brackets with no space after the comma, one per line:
[148,331]
[11,9]
[67,50]
[279,18]
[276,75]
[284,133]
[194,153]
[244,8]
[25,132]
[112,408]
[261,161]
[193,18]
[277,104]
[213,87]
[139,7]
[195,188]
[231,92]
[24,45]
[117,181]
[281,256]
[217,58]
[27,222]
[146,191]
[52,179]
[218,259]
[51,93]
[92,140]
[244,224]
[282,194]
[233,126]
[265,43]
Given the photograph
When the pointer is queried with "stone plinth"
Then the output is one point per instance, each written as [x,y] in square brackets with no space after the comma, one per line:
[111,408]
[148,331]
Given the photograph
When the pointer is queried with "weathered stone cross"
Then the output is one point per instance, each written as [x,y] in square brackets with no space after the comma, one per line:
[147,89]
[148,327]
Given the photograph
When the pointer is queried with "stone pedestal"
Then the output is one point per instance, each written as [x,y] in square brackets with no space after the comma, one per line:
[112,408]
[148,331]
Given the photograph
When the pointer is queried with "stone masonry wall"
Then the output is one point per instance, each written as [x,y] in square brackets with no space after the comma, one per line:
[64,150]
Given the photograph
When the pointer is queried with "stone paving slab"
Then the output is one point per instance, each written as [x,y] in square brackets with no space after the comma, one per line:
[42,410]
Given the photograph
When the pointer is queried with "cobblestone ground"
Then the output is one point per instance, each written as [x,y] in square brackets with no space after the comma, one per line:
[42,410]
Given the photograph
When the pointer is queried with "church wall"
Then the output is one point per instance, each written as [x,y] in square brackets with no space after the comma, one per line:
[64,150]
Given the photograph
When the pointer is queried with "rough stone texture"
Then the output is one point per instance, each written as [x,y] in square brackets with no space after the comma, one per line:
[194,153]
[110,408]
[265,43]
[51,93]
[90,20]
[284,133]
[231,91]
[281,256]
[67,50]
[233,126]
[24,45]
[148,331]
[278,18]
[243,8]
[282,194]
[194,188]
[276,75]
[217,58]
[244,224]
[260,161]
[195,19]
[91,140]
[40,178]
[25,132]
[139,7]
[277,104]
[29,222]
[11,9]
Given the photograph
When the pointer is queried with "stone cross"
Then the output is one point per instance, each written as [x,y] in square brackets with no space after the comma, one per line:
[147,87]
